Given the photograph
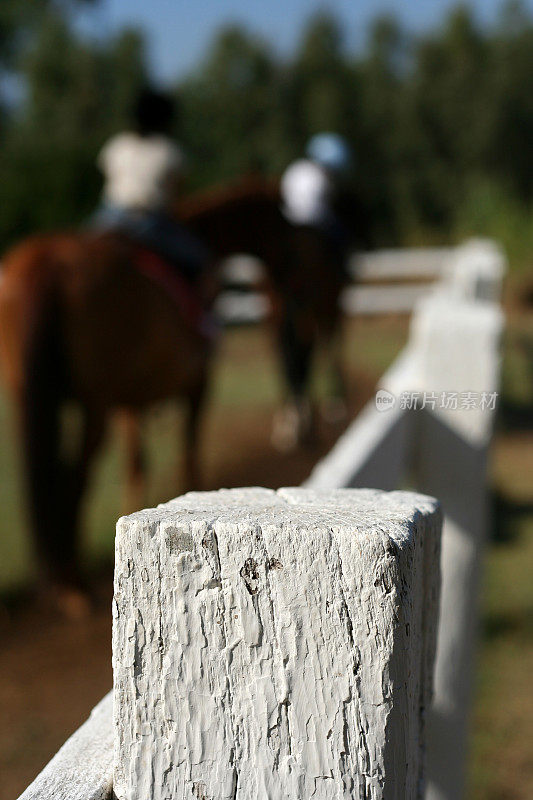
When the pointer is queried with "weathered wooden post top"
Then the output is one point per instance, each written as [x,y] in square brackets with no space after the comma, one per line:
[274,645]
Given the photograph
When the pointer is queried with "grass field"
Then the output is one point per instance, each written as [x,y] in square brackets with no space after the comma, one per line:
[501,763]
[244,395]
[245,381]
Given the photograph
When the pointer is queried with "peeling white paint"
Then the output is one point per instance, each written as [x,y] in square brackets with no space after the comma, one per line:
[274,645]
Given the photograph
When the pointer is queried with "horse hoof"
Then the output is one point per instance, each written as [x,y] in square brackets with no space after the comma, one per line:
[293,428]
[285,431]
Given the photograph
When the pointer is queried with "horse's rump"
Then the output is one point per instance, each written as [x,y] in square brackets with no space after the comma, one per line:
[79,322]
[28,295]
[119,329]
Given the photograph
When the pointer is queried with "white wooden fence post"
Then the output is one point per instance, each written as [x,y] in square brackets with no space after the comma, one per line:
[451,365]
[458,351]
[274,644]
[476,271]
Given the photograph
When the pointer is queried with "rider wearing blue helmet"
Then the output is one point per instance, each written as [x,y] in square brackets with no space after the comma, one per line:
[331,151]
[312,192]
[310,186]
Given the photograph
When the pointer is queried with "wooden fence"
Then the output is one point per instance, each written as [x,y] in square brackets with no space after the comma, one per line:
[280,644]
[430,427]
[265,644]
[384,281]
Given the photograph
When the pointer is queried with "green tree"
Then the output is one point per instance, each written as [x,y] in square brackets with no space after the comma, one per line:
[509,160]
[321,83]
[377,117]
[77,94]
[448,119]
[230,108]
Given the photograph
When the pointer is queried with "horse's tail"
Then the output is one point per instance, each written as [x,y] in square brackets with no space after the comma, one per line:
[32,328]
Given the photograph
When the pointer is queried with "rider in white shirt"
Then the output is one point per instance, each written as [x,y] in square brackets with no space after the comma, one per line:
[309,186]
[306,190]
[142,171]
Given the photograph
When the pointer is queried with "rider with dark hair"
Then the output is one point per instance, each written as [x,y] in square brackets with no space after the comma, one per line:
[154,112]
[143,169]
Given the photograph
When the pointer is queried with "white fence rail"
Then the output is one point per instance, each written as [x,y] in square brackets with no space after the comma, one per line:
[401,264]
[275,644]
[265,644]
[83,768]
[450,369]
[270,575]
[473,269]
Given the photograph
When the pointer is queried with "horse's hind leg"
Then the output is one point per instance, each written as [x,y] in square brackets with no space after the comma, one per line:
[135,489]
[77,471]
[39,397]
[64,553]
[57,481]
[195,405]
[335,404]
[293,424]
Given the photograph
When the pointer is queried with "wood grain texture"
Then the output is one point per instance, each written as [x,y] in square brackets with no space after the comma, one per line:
[274,645]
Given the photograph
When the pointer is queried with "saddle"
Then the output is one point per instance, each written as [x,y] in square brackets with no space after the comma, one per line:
[183,293]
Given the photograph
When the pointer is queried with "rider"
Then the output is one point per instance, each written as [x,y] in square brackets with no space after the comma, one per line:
[143,169]
[309,188]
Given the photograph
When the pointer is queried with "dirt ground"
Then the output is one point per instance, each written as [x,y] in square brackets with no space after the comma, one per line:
[54,671]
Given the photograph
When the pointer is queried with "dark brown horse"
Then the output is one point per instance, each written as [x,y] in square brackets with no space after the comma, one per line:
[304,279]
[79,324]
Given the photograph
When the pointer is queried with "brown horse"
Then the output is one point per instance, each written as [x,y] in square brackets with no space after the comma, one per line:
[78,324]
[305,276]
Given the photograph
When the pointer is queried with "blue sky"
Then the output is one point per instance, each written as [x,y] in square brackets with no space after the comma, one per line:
[179,31]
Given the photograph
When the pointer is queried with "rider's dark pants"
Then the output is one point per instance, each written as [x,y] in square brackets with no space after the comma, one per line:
[158,232]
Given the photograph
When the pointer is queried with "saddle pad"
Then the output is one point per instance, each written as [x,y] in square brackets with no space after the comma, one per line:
[183,294]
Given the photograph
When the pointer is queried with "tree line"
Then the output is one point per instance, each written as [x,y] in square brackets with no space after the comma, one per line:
[441,124]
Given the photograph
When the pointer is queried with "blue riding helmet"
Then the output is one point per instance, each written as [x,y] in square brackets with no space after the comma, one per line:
[330,151]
